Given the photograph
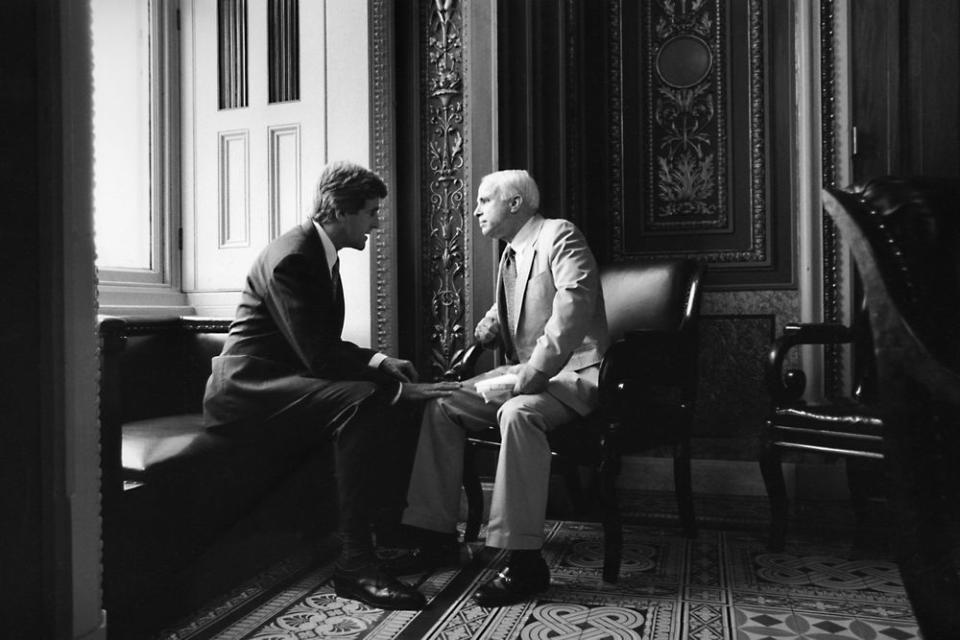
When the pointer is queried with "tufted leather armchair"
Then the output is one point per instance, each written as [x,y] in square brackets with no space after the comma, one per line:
[647,393]
[904,235]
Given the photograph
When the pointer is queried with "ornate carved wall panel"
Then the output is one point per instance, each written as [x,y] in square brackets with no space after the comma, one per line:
[444,182]
[699,121]
[686,113]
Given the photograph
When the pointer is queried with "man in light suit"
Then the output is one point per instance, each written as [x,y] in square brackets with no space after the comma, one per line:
[285,372]
[549,319]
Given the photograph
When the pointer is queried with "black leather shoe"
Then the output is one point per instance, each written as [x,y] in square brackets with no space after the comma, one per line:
[423,560]
[377,589]
[516,583]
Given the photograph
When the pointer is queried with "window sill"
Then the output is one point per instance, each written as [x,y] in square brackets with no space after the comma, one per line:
[142,300]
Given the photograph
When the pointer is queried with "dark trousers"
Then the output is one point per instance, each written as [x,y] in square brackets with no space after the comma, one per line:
[373,445]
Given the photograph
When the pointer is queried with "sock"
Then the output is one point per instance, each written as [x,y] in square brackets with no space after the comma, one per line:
[525,557]
[429,538]
[356,554]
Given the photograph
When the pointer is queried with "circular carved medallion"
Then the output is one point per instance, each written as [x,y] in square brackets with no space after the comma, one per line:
[684,60]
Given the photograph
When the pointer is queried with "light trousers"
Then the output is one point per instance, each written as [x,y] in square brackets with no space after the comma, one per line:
[519,502]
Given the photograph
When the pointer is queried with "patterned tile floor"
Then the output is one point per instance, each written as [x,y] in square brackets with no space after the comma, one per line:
[722,585]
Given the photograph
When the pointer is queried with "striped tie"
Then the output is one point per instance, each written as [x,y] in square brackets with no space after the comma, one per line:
[509,277]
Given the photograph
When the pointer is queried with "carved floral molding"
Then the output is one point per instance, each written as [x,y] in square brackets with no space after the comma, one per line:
[383,260]
[445,182]
[833,371]
[686,136]
[688,123]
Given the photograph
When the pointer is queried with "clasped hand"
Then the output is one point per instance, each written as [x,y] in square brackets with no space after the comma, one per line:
[486,331]
[529,380]
[405,372]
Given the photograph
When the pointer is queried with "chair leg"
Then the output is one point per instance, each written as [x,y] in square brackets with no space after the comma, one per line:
[571,479]
[777,492]
[471,486]
[863,476]
[683,485]
[612,525]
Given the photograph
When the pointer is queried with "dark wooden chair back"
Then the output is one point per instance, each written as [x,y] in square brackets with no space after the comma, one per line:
[653,311]
[659,295]
[904,235]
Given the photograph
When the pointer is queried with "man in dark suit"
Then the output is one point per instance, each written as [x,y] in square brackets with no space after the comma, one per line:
[284,363]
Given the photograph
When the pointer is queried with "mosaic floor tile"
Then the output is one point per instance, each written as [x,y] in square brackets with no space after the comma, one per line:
[805,572]
[723,585]
[763,624]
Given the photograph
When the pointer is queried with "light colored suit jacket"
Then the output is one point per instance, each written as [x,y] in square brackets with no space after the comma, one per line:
[561,326]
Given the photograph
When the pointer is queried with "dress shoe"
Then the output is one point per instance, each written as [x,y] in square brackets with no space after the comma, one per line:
[425,559]
[377,589]
[517,582]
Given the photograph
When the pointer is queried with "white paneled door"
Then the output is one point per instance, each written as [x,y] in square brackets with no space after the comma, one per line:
[254,135]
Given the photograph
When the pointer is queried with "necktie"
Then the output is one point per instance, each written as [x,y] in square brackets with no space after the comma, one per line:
[509,277]
[335,278]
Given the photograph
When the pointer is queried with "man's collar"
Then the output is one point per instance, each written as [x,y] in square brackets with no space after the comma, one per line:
[527,233]
[328,248]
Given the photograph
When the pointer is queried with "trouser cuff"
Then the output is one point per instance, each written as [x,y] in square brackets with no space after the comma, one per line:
[514,541]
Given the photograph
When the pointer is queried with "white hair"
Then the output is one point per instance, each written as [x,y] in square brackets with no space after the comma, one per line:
[511,182]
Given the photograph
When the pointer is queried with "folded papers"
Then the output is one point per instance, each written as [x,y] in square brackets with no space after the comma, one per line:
[498,389]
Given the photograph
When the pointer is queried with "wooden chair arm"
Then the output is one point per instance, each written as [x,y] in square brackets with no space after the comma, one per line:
[645,364]
[788,386]
[817,333]
[465,365]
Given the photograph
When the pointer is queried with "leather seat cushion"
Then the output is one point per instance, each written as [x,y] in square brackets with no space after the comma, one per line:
[150,445]
[179,448]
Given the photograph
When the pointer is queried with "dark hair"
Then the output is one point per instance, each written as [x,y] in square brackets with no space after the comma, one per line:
[344,187]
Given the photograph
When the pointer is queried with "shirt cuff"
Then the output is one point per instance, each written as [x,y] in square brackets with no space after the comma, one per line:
[376,360]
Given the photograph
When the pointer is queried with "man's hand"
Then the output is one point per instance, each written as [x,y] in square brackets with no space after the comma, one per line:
[402,370]
[487,331]
[428,390]
[529,380]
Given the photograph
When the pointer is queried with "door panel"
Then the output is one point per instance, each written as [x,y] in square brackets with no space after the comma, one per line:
[245,166]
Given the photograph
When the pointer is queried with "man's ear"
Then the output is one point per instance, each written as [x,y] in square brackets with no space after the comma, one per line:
[515,203]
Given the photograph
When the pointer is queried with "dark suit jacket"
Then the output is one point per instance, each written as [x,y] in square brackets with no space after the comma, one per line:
[285,341]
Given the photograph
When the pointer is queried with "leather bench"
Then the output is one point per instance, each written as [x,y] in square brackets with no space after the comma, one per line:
[173,493]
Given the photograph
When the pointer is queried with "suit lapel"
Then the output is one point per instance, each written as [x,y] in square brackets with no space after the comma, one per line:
[524,266]
[501,310]
[315,245]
